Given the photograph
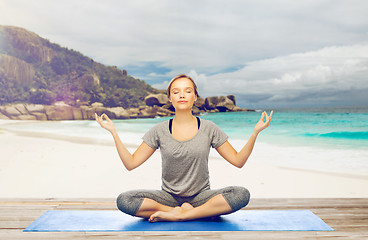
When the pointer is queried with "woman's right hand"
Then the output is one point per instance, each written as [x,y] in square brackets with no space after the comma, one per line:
[109,125]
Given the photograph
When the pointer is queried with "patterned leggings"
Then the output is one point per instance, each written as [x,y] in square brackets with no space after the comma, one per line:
[129,202]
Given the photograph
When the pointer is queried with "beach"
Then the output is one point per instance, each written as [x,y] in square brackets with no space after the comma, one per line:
[36,164]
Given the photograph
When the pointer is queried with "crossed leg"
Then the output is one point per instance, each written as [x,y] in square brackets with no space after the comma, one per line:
[150,207]
[159,205]
[217,205]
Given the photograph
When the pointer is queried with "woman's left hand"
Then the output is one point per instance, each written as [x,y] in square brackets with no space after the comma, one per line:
[261,125]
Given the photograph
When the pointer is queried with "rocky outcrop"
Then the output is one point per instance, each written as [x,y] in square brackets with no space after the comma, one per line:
[2,116]
[222,104]
[225,104]
[211,102]
[156,100]
[61,111]
[33,69]
[31,45]
[16,70]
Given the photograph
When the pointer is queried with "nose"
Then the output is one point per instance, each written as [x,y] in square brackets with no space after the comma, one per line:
[181,94]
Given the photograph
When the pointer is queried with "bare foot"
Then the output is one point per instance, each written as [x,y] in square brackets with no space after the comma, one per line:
[174,215]
[164,217]
[186,206]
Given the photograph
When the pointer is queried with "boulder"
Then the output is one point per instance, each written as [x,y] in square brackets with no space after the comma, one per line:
[58,113]
[99,111]
[26,117]
[195,110]
[211,102]
[237,109]
[77,113]
[97,104]
[232,98]
[200,103]
[166,112]
[11,111]
[225,104]
[20,107]
[148,112]
[156,99]
[40,116]
[84,111]
[169,107]
[89,112]
[133,112]
[89,80]
[163,112]
[2,116]
[119,112]
[32,108]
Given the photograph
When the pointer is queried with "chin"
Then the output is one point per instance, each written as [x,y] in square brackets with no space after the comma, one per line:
[183,108]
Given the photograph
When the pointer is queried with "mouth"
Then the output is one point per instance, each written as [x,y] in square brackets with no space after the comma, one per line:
[182,101]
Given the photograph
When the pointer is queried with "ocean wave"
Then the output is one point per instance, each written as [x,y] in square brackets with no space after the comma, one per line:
[341,135]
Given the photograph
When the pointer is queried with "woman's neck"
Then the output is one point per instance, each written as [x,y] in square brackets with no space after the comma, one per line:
[183,117]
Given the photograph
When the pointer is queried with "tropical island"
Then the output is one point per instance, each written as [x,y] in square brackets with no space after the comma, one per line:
[40,80]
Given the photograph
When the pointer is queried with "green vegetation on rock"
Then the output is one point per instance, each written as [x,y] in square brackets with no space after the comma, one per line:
[34,70]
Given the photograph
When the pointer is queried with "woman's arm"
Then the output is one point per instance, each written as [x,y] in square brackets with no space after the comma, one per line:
[130,161]
[238,159]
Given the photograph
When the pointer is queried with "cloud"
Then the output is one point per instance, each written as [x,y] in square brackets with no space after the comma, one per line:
[191,34]
[333,75]
[262,46]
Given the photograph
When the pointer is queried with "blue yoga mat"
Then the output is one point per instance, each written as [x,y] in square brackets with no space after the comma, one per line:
[248,220]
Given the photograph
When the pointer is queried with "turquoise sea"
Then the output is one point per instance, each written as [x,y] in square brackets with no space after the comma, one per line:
[338,130]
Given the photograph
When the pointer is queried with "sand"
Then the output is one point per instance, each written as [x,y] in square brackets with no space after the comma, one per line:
[36,165]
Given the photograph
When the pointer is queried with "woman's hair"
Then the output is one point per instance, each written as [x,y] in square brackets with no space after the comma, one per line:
[178,77]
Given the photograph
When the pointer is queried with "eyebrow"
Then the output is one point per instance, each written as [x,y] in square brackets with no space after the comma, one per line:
[179,88]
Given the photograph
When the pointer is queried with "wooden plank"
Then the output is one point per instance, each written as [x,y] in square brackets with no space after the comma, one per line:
[349,218]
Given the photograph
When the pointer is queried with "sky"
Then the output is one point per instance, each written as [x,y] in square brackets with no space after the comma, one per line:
[268,53]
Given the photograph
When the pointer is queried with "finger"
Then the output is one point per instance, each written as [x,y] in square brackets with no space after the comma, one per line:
[269,118]
[262,116]
[100,119]
[104,116]
[97,118]
[107,117]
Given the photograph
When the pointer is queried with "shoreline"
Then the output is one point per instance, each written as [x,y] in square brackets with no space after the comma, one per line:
[105,142]
[55,166]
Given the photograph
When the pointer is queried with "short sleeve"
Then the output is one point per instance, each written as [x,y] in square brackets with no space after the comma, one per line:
[151,138]
[219,137]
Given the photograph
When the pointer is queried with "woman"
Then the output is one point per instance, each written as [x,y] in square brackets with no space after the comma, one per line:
[185,143]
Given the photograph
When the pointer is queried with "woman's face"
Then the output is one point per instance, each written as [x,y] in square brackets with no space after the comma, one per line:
[182,94]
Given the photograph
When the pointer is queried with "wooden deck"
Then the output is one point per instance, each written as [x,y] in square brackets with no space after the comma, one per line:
[349,218]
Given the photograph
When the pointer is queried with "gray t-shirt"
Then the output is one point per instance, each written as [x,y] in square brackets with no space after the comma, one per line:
[185,163]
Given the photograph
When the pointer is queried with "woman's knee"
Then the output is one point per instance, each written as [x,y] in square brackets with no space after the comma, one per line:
[244,195]
[237,197]
[129,202]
